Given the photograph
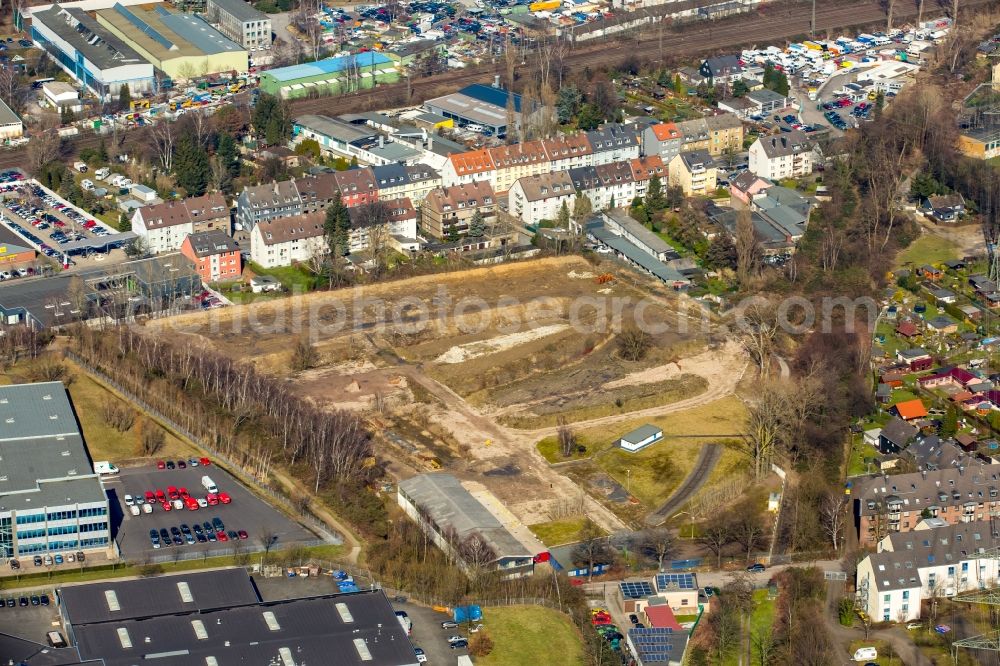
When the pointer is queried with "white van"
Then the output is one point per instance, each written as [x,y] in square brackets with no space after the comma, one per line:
[87,185]
[866,654]
[104,468]
[209,485]
[102,173]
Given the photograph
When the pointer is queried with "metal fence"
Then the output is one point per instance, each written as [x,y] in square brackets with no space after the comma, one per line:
[276,497]
[249,548]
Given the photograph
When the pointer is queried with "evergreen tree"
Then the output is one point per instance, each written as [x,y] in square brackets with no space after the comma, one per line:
[102,152]
[228,155]
[775,80]
[563,216]
[124,98]
[476,226]
[191,167]
[568,103]
[581,207]
[949,424]
[740,88]
[337,227]
[655,199]
[66,116]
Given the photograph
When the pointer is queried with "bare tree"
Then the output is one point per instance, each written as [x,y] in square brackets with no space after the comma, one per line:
[593,548]
[267,538]
[748,529]
[476,553]
[715,536]
[633,343]
[656,543]
[764,644]
[758,332]
[832,515]
[162,143]
[43,148]
[566,437]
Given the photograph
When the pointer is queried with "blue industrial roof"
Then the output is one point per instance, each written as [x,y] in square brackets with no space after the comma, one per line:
[199,33]
[328,66]
[491,95]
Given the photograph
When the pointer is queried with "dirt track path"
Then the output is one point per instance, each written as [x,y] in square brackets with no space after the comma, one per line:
[493,445]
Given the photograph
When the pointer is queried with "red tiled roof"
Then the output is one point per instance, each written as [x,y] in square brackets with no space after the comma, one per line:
[666,131]
[473,161]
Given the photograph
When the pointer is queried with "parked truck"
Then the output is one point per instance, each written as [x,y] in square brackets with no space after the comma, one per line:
[208,484]
[80,166]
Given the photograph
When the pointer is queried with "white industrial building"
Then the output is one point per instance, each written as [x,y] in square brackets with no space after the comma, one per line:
[90,53]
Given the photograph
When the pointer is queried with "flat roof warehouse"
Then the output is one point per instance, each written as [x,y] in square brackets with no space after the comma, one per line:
[216,618]
[327,66]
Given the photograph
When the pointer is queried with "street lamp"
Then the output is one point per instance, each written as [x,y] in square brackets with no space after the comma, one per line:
[628,481]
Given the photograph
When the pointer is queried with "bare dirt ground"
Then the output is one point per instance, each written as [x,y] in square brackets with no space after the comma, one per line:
[435,390]
[968,238]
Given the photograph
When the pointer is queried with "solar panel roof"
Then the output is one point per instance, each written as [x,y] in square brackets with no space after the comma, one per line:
[636,589]
[675,581]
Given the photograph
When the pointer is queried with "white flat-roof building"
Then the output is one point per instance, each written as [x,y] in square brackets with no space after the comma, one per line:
[61,95]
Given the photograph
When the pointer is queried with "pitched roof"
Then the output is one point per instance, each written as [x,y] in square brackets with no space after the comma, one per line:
[662,617]
[272,194]
[468,195]
[911,409]
[292,228]
[567,145]
[789,143]
[399,209]
[644,168]
[473,161]
[354,181]
[946,201]
[192,209]
[547,185]
[899,432]
[525,152]
[666,131]
[207,243]
[920,490]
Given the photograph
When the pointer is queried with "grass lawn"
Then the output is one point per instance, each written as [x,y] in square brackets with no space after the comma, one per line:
[558,532]
[104,442]
[653,473]
[549,448]
[928,249]
[529,635]
[761,618]
[859,451]
[292,277]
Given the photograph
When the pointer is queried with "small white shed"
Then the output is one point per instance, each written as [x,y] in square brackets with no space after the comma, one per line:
[641,437]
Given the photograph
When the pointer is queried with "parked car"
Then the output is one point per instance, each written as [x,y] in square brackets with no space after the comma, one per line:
[448,624]
[756,567]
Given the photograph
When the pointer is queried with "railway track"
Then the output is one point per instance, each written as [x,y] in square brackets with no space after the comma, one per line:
[767,24]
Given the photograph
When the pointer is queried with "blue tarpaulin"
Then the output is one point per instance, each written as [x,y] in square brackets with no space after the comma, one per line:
[468,613]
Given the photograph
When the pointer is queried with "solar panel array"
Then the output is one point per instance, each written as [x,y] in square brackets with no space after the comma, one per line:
[636,589]
[654,644]
[144,27]
[679,581]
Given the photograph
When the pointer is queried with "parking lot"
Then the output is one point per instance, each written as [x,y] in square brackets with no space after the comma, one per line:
[245,513]
[29,622]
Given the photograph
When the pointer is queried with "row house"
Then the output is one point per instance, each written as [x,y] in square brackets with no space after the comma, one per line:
[357,187]
[936,560]
[448,211]
[468,167]
[266,202]
[644,168]
[165,226]
[614,143]
[401,223]
[606,185]
[398,181]
[694,172]
[568,151]
[518,160]
[287,240]
[663,139]
[536,198]
[887,504]
[718,134]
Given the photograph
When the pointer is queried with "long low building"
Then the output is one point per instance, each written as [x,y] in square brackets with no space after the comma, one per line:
[51,500]
[93,55]
[183,46]
[330,76]
[217,618]
[454,519]
[478,104]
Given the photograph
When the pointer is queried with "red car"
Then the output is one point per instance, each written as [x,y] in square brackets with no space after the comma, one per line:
[150,497]
[204,462]
[183,492]
[160,497]
[166,506]
[172,492]
[243,534]
[191,503]
[212,499]
[160,464]
[225,498]
[221,535]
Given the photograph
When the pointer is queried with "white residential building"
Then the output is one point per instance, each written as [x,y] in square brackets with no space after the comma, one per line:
[165,226]
[286,240]
[537,198]
[934,560]
[787,155]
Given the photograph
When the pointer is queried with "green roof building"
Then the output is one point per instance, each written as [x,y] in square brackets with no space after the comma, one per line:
[330,76]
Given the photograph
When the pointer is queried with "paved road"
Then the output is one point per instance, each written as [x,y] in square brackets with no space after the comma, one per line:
[708,457]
